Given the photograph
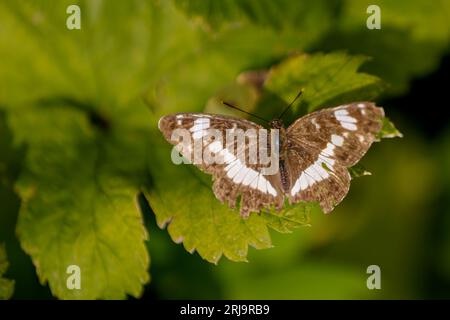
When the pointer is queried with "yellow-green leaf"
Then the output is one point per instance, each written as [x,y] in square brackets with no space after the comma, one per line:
[6,285]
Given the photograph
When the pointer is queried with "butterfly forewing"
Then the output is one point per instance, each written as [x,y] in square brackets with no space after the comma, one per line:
[322,145]
[234,172]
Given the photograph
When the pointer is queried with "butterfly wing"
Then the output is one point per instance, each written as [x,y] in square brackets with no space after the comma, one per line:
[234,173]
[322,145]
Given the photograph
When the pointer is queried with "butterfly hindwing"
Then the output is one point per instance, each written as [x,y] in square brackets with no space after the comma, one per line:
[322,145]
[234,175]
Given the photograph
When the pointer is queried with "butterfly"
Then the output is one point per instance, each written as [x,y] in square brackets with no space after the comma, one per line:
[314,154]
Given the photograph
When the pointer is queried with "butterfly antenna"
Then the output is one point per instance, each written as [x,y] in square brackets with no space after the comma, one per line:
[251,114]
[290,104]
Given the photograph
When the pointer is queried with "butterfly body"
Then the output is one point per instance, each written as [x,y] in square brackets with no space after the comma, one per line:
[313,155]
[283,147]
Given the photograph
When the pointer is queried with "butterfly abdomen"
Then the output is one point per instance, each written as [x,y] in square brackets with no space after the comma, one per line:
[283,154]
[284,176]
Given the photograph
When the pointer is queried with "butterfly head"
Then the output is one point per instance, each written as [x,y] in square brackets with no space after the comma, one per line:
[276,124]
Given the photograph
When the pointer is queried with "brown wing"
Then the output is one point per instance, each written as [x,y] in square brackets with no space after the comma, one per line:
[322,145]
[235,171]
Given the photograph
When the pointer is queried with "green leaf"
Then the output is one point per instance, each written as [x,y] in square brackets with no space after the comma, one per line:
[358,171]
[389,130]
[85,131]
[416,27]
[6,286]
[120,51]
[78,209]
[181,196]
[293,216]
[282,14]
[326,80]
[414,36]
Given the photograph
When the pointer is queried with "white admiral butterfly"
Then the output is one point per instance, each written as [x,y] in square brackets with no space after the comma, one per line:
[314,154]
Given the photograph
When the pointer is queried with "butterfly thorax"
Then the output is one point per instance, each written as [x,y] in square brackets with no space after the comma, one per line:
[282,144]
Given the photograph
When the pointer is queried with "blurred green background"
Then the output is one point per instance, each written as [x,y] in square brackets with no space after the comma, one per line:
[134,61]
